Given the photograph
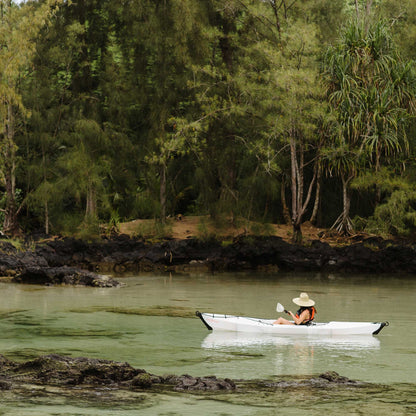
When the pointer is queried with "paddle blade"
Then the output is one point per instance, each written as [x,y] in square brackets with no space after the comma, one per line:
[279,307]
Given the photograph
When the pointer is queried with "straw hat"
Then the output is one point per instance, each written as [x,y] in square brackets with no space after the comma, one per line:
[303,300]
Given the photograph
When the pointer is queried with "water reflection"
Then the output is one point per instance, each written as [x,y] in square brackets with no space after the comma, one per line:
[293,354]
[224,339]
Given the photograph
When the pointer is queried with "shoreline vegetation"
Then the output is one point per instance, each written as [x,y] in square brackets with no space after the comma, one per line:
[286,111]
[50,260]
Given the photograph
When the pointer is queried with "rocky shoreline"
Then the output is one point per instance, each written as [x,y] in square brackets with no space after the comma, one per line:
[81,374]
[75,262]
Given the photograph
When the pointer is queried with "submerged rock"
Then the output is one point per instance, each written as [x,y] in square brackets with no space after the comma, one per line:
[5,385]
[88,373]
[328,379]
[334,377]
[212,383]
[60,370]
[63,275]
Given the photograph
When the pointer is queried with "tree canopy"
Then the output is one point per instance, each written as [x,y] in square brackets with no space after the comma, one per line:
[273,111]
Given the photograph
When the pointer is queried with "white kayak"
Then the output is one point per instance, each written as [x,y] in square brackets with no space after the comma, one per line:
[219,322]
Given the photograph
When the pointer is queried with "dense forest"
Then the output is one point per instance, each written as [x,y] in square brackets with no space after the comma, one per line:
[278,111]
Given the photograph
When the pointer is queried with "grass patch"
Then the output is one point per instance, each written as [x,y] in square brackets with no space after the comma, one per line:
[152,229]
[261,229]
[206,231]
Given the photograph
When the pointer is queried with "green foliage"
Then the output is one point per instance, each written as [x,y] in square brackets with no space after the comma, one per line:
[19,26]
[18,244]
[372,92]
[145,206]
[402,14]
[397,216]
[152,108]
[386,179]
[371,89]
[68,222]
[89,230]
[114,222]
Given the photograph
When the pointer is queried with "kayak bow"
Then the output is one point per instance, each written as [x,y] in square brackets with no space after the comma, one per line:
[255,325]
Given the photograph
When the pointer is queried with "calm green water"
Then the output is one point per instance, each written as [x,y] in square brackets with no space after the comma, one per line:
[149,323]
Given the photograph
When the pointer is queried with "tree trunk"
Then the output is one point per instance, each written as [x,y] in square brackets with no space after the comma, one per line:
[46,217]
[314,215]
[163,193]
[343,223]
[286,213]
[293,178]
[297,233]
[10,225]
[226,42]
[46,205]
[377,169]
[91,209]
[346,205]
[299,204]
[296,185]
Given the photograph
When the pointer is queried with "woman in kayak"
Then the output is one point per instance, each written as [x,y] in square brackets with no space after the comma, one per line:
[304,315]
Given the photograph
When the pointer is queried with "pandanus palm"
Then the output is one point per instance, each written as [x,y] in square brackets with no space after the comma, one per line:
[372,93]
[342,161]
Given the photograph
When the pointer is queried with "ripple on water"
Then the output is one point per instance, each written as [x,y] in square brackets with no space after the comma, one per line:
[156,310]
[365,399]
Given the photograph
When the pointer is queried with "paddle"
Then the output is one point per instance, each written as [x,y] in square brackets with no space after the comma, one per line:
[280,308]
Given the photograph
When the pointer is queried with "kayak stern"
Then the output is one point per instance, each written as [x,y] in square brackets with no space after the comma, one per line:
[382,325]
[199,314]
